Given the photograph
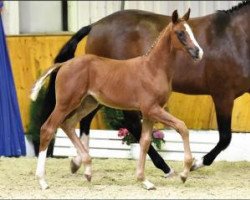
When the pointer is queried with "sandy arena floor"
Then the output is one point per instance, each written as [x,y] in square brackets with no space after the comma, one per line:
[114,179]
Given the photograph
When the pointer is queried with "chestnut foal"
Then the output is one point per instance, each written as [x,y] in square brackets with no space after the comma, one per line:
[84,82]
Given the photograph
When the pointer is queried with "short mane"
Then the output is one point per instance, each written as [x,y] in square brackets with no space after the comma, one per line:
[236,7]
[223,17]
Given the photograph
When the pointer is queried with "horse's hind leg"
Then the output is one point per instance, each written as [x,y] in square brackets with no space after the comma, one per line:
[160,115]
[76,162]
[46,133]
[87,105]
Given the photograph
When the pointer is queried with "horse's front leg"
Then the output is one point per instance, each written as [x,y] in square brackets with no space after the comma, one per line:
[160,115]
[145,141]
[223,107]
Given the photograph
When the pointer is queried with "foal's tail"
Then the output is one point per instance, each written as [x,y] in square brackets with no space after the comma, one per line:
[40,82]
[67,52]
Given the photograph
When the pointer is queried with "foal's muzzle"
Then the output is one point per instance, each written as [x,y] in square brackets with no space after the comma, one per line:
[196,53]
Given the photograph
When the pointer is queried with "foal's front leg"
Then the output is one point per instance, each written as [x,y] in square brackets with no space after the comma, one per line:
[133,124]
[160,115]
[145,141]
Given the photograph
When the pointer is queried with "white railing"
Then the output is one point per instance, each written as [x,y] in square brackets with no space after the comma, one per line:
[107,144]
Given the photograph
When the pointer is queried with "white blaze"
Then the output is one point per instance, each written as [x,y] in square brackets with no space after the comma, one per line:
[191,35]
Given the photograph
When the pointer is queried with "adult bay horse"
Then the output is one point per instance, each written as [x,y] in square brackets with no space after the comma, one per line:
[223,73]
[84,82]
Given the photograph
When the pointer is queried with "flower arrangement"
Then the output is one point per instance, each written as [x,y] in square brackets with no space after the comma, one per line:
[158,138]
[128,138]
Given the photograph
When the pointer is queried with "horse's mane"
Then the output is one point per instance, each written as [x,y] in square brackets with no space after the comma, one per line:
[223,17]
[236,7]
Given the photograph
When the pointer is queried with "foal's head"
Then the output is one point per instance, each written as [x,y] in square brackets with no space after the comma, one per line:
[182,36]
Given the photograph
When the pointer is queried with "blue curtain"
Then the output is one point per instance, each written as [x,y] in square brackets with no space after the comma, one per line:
[12,141]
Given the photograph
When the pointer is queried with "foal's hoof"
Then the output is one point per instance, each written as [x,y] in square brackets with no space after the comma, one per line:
[183,178]
[43,184]
[170,174]
[197,164]
[74,167]
[45,187]
[148,185]
[88,177]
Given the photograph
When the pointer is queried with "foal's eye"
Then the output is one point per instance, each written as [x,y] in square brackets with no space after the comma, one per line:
[181,34]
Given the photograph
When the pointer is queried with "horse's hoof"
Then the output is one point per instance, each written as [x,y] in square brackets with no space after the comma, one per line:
[197,164]
[88,177]
[170,174]
[74,167]
[148,185]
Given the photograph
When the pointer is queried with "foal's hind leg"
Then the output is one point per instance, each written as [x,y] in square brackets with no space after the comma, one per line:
[76,162]
[160,115]
[85,157]
[87,105]
[47,131]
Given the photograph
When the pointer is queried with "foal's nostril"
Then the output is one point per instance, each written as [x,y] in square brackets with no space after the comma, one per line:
[196,52]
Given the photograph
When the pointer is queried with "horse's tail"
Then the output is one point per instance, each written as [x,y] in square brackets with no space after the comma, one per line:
[40,82]
[68,50]
[48,101]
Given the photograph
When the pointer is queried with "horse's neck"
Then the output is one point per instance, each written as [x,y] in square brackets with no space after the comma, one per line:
[237,19]
[161,55]
[241,17]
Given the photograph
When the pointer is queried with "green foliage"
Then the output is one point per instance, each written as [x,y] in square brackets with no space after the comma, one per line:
[157,142]
[36,121]
[129,139]
[33,131]
[113,118]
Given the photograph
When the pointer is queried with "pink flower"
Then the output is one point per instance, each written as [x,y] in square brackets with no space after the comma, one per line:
[158,134]
[123,132]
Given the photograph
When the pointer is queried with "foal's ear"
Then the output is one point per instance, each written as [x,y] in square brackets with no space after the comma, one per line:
[175,17]
[186,16]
